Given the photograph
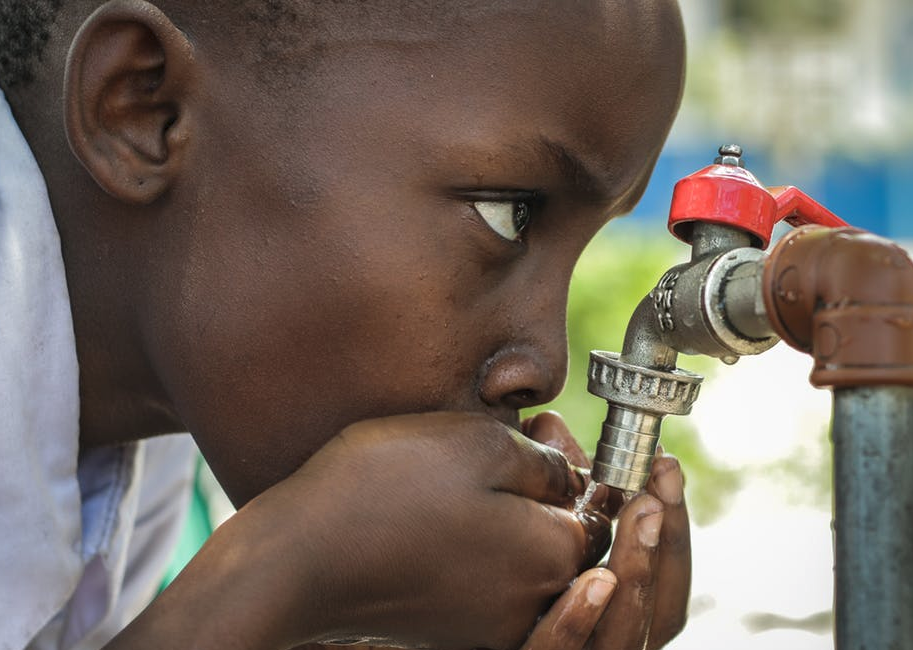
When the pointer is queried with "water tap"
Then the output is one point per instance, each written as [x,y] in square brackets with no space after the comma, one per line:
[713,305]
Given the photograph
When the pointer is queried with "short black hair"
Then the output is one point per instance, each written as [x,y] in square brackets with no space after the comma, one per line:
[26,25]
[24,29]
[276,26]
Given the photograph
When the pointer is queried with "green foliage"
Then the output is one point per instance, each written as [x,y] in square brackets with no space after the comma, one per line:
[791,16]
[615,272]
[806,474]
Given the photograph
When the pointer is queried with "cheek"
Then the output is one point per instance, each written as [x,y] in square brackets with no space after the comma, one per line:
[404,337]
[336,340]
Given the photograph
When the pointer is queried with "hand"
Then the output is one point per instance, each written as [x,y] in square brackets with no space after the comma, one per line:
[443,529]
[650,560]
[453,528]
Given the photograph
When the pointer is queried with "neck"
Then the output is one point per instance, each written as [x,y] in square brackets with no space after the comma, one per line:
[121,399]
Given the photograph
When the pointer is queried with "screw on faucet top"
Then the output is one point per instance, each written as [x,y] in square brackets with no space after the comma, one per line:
[730,154]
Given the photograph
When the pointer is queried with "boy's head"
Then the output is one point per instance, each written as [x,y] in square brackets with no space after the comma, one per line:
[286,216]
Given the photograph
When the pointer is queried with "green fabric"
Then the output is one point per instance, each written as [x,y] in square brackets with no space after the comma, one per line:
[197,529]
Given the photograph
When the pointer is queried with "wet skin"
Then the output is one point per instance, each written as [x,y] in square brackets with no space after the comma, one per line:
[271,262]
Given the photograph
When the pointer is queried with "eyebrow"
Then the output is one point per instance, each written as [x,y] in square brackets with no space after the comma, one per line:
[578,174]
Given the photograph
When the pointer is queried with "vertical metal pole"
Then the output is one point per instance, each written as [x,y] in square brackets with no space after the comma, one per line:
[873,517]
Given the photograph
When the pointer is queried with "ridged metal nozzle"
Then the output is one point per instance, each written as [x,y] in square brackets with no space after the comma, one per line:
[625,450]
[638,400]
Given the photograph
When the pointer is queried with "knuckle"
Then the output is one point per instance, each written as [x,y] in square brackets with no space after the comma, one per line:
[676,543]
[644,593]
[495,435]
[637,569]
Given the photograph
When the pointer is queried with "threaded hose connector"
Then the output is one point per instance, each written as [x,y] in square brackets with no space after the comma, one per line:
[638,399]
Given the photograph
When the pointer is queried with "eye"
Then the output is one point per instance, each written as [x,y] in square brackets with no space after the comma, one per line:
[507,218]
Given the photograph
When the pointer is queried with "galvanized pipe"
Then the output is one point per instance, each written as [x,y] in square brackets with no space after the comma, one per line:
[873,517]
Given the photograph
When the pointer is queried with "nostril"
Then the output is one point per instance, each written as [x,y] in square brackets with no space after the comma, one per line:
[521,399]
[517,379]
[525,396]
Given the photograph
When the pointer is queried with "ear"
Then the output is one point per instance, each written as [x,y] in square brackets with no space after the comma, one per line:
[128,79]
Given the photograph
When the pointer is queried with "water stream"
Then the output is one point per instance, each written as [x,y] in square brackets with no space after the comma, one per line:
[584,499]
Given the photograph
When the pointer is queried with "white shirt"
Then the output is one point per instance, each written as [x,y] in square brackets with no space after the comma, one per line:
[84,537]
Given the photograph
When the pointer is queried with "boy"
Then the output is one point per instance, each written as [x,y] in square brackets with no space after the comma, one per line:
[284,225]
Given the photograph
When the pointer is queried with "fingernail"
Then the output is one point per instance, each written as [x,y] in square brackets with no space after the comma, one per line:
[600,588]
[669,487]
[648,528]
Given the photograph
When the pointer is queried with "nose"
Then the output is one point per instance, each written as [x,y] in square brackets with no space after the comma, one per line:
[529,366]
[524,375]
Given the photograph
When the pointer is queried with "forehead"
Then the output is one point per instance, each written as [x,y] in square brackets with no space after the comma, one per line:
[578,42]
[599,80]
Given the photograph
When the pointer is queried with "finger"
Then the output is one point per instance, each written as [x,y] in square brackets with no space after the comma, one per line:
[673,569]
[626,621]
[570,621]
[550,429]
[533,470]
[598,529]
[609,501]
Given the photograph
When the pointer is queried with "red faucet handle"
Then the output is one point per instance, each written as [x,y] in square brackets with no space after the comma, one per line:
[727,194]
[799,209]
[722,194]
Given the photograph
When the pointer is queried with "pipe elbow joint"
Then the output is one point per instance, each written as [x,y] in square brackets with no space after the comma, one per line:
[844,296]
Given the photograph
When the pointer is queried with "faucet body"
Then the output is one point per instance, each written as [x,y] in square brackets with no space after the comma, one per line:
[840,294]
[689,311]
[693,310]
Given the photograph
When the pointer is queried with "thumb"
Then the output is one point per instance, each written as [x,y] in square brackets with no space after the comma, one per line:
[571,620]
[550,429]
[539,472]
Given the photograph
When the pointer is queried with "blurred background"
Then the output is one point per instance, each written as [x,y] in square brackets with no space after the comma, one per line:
[819,95]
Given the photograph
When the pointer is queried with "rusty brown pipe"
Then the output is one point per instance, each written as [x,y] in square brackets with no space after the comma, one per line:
[844,296]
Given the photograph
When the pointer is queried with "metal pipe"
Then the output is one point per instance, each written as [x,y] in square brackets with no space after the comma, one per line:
[710,238]
[873,520]
[846,298]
